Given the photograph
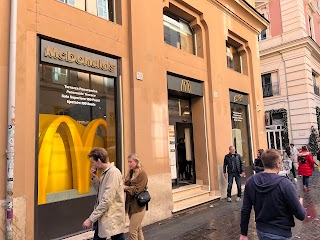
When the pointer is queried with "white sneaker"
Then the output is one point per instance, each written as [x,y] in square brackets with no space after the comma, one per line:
[295,180]
[238,199]
[229,199]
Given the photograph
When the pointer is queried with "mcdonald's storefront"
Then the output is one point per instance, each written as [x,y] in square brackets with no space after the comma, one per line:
[177,91]
[77,111]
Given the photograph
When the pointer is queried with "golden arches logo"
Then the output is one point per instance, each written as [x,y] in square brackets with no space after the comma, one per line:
[238,98]
[80,141]
[185,86]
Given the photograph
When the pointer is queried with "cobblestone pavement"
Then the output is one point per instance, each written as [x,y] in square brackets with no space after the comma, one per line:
[220,220]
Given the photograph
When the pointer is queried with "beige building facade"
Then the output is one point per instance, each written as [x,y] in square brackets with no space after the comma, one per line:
[129,77]
[290,67]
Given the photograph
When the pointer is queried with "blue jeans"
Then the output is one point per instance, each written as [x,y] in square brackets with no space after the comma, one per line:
[305,181]
[120,236]
[270,236]
[230,182]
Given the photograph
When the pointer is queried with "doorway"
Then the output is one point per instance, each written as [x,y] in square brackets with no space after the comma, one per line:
[184,153]
[275,137]
[182,145]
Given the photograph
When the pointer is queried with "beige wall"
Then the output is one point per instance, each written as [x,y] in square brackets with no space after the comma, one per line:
[145,103]
[291,58]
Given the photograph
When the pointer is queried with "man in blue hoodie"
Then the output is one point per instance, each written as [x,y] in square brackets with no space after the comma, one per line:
[274,199]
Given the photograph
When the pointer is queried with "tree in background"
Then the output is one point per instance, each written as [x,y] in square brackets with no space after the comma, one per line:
[313,141]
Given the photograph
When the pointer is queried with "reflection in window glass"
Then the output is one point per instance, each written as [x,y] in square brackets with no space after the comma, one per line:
[101,8]
[76,113]
[179,107]
[177,33]
[185,108]
[105,9]
[234,60]
[240,133]
[60,75]
[69,2]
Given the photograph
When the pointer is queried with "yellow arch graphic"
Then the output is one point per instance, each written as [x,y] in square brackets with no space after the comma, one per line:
[79,149]
[87,140]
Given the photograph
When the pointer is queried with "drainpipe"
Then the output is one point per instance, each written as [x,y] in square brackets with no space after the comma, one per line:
[289,114]
[11,119]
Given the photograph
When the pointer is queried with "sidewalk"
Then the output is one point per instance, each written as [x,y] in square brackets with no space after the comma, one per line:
[221,220]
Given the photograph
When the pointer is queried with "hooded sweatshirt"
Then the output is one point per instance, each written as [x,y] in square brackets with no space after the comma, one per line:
[275,202]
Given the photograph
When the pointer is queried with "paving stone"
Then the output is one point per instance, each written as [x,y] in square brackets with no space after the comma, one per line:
[220,220]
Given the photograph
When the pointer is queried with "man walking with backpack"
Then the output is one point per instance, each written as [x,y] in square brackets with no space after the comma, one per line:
[274,199]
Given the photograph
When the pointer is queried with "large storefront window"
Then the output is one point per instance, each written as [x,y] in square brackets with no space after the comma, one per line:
[77,108]
[77,113]
[240,127]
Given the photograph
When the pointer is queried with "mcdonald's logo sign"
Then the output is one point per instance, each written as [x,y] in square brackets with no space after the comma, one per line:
[62,137]
[238,98]
[185,86]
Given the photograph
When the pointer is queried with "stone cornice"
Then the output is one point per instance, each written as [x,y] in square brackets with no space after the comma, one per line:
[262,3]
[306,42]
[243,4]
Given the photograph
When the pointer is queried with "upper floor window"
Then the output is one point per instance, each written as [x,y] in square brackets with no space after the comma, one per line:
[310,26]
[178,33]
[69,2]
[315,84]
[105,9]
[269,88]
[234,58]
[263,34]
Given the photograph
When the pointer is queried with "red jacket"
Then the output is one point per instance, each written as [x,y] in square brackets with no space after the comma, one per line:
[305,169]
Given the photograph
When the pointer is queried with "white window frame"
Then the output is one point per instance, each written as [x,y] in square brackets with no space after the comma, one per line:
[104,5]
[69,2]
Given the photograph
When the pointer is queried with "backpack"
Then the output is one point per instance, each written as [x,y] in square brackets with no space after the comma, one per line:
[303,159]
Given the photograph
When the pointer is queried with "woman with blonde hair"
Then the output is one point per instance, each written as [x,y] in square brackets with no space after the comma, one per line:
[135,182]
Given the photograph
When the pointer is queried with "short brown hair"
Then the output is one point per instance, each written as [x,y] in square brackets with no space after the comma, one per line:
[270,158]
[260,151]
[99,153]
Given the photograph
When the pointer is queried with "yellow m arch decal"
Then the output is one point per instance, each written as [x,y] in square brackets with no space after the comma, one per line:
[79,142]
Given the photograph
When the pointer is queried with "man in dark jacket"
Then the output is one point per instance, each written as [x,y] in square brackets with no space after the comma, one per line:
[274,199]
[258,165]
[233,167]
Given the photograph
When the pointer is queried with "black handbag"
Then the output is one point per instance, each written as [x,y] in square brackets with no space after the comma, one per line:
[143,198]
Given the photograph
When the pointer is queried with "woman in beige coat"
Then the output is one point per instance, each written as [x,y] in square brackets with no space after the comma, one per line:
[135,182]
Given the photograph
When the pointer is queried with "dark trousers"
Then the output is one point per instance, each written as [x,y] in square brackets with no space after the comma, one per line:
[293,171]
[230,182]
[115,237]
[305,181]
